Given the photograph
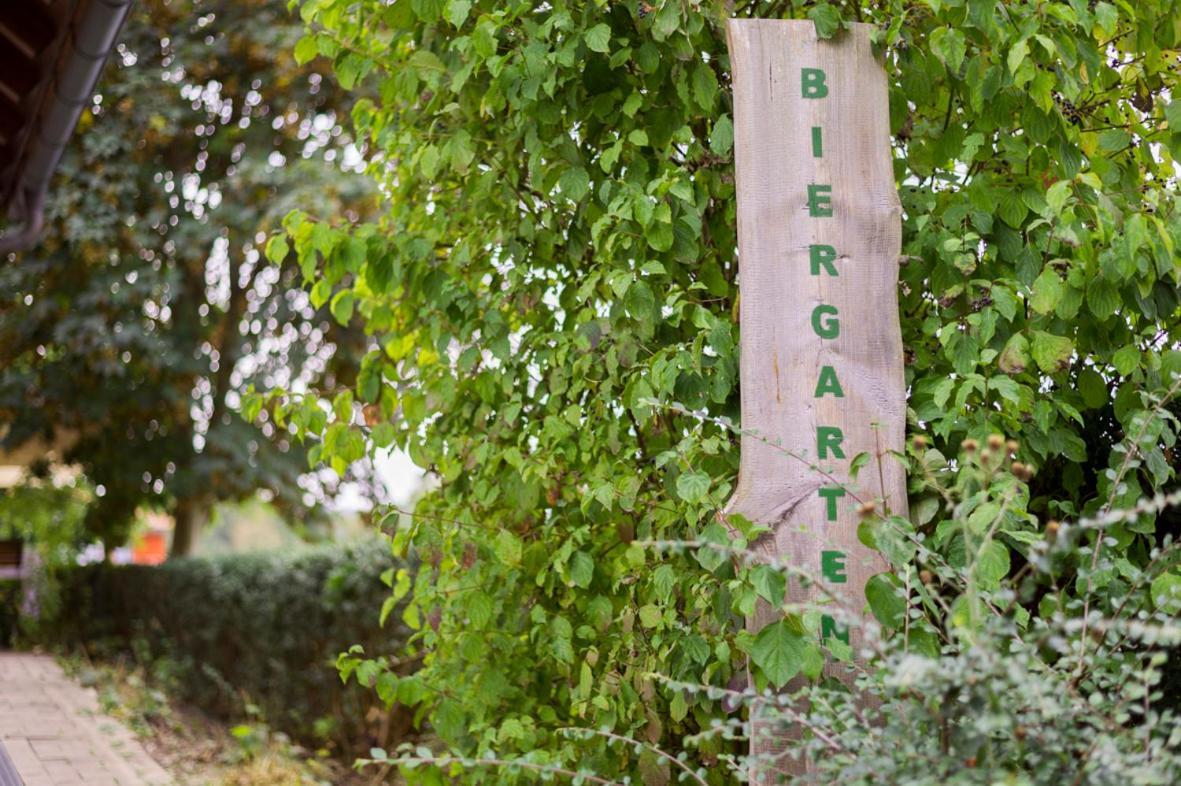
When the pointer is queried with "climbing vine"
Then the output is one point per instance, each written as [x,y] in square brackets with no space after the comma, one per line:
[551,299]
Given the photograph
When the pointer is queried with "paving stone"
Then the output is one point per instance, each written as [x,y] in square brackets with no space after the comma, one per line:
[56,735]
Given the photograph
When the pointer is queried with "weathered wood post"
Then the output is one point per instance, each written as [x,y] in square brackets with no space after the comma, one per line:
[821,351]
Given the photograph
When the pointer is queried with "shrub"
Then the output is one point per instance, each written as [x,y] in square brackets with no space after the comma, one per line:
[262,629]
[956,682]
[553,290]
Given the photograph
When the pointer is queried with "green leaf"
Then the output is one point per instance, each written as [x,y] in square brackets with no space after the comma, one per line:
[306,50]
[826,18]
[1051,353]
[1014,358]
[650,616]
[581,569]
[508,548]
[350,69]
[883,592]
[992,565]
[1058,194]
[1106,18]
[342,307]
[692,486]
[598,38]
[1093,388]
[949,46]
[1047,291]
[463,151]
[457,11]
[1126,359]
[575,183]
[1011,209]
[857,464]
[1166,593]
[721,139]
[779,651]
[1102,297]
[277,249]
[1017,55]
[1172,112]
[769,582]
[705,86]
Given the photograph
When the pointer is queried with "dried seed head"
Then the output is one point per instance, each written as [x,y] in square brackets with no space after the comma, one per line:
[866,509]
[920,441]
[995,442]
[926,576]
[1019,470]
[1052,528]
[627,532]
[985,455]
[969,445]
[1012,446]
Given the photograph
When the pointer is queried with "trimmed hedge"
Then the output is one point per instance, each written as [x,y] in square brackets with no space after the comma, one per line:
[262,628]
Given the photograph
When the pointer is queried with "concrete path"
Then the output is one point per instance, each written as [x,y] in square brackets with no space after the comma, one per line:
[54,732]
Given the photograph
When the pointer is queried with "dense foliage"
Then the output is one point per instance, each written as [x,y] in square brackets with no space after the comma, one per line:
[127,335]
[261,629]
[48,519]
[552,290]
[970,687]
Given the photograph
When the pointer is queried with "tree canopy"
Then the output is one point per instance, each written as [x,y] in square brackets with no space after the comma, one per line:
[147,310]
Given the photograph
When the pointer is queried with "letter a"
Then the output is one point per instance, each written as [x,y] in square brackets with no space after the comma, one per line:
[828,383]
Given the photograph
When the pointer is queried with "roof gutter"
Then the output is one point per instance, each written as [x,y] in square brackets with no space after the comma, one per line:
[90,39]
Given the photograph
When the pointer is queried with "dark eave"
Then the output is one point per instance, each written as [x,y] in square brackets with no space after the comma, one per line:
[51,55]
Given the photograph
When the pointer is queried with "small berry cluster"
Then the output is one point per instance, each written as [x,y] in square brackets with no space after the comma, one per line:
[1068,110]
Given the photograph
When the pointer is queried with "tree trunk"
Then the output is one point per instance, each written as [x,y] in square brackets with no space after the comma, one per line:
[187,517]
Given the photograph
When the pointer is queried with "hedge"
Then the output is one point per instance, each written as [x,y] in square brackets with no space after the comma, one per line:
[262,628]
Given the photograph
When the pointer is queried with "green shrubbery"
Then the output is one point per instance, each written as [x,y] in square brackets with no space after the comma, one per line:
[552,297]
[262,629]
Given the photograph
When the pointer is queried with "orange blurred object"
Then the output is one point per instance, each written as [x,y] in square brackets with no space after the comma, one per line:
[151,548]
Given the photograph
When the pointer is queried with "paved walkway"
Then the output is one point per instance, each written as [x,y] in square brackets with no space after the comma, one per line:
[55,733]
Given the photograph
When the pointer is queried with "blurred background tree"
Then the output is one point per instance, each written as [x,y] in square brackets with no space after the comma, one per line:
[132,330]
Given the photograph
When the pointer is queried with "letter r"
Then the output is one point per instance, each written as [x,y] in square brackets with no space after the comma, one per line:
[828,438]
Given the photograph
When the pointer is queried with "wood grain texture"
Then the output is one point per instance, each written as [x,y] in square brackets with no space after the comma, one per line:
[781,353]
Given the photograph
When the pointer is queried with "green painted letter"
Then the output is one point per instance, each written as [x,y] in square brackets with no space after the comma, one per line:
[830,495]
[826,328]
[829,438]
[832,566]
[828,383]
[829,627]
[817,142]
[812,83]
[822,257]
[819,200]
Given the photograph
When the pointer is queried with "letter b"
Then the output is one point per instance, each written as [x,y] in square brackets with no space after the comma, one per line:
[812,83]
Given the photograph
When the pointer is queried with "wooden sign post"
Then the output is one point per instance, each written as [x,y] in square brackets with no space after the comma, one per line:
[821,351]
